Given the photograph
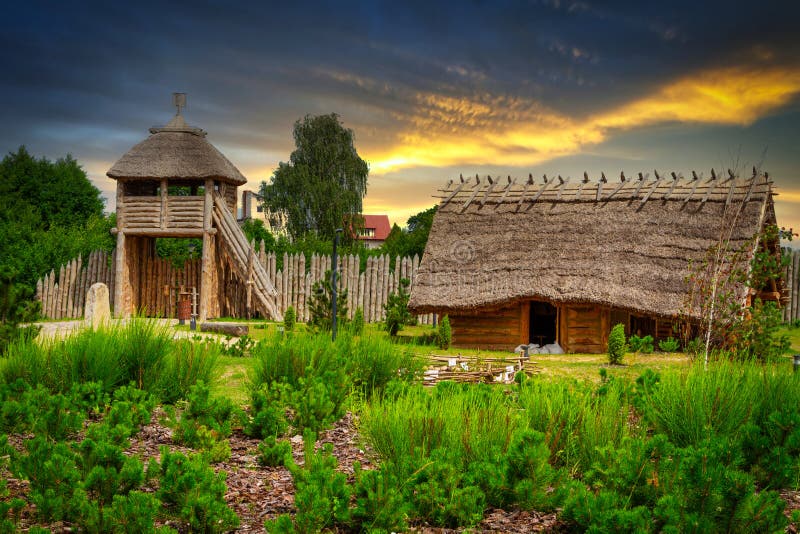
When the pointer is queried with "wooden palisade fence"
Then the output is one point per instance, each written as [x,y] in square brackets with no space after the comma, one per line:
[791,311]
[62,294]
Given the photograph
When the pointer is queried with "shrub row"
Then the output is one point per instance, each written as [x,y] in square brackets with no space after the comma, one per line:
[140,352]
[92,484]
[685,450]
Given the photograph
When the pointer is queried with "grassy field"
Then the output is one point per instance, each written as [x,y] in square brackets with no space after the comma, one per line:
[234,371]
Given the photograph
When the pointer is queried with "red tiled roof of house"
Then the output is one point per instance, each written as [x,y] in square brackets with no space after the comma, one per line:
[380,223]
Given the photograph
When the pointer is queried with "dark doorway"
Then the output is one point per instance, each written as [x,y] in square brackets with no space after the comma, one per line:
[543,323]
[642,326]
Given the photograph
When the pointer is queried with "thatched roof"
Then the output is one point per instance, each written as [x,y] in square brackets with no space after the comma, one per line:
[176,151]
[626,244]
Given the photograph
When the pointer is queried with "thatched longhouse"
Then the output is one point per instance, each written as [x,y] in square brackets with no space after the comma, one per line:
[563,261]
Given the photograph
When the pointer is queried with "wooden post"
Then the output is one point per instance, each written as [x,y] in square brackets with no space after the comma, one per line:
[207,279]
[385,285]
[796,284]
[791,286]
[373,290]
[360,299]
[249,283]
[164,203]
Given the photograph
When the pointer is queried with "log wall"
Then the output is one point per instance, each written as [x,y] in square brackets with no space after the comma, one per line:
[583,329]
[501,329]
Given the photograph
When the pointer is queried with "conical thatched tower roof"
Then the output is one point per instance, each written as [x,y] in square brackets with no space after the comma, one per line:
[176,151]
[625,245]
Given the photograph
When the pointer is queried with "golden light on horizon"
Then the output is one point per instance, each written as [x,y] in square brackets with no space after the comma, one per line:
[487,129]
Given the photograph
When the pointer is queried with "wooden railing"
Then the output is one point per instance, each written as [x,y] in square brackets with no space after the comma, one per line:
[150,213]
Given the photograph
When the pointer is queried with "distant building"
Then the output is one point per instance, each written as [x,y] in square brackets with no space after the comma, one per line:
[376,230]
[252,207]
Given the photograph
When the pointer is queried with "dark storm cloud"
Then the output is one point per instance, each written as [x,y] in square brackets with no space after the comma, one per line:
[90,78]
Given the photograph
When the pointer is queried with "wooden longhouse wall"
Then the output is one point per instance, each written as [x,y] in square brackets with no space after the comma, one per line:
[501,329]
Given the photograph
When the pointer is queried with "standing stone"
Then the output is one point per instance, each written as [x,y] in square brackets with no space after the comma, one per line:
[98,311]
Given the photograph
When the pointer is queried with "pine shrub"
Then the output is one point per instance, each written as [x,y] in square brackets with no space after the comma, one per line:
[445,337]
[357,324]
[616,344]
[194,492]
[289,318]
[669,345]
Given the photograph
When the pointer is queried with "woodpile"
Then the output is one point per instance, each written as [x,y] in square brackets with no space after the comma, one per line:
[475,369]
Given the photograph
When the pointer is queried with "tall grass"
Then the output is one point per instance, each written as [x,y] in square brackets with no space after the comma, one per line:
[371,361]
[139,352]
[471,422]
[575,419]
[693,405]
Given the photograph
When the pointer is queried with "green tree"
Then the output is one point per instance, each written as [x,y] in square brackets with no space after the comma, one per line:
[255,230]
[396,307]
[322,186]
[320,305]
[413,238]
[49,213]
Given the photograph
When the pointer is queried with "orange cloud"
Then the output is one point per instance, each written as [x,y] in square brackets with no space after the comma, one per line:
[489,129]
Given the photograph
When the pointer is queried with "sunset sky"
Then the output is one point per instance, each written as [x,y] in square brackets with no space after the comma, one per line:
[431,89]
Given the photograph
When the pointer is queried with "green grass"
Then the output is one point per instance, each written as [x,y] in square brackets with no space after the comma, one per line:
[232,379]
[794,337]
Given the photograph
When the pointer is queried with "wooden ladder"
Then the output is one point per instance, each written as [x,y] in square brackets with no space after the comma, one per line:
[245,261]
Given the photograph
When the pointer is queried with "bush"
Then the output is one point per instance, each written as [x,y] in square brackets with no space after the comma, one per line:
[694,347]
[187,364]
[140,352]
[616,344]
[396,309]
[669,345]
[641,344]
[322,496]
[445,337]
[273,452]
[205,423]
[357,324]
[267,411]
[380,505]
[191,488]
[320,306]
[289,318]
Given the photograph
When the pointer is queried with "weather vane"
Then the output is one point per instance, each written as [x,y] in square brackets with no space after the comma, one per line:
[179,101]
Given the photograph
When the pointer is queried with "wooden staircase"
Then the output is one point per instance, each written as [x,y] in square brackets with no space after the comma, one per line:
[245,262]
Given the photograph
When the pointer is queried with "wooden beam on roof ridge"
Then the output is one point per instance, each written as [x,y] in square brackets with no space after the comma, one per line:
[642,180]
[582,184]
[652,189]
[600,185]
[675,179]
[492,185]
[732,179]
[711,187]
[696,181]
[456,191]
[474,194]
[622,183]
[525,190]
[752,186]
[562,187]
[541,190]
[511,183]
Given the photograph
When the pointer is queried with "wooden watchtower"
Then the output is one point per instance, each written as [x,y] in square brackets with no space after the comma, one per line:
[177,184]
